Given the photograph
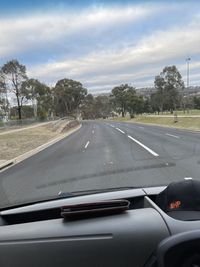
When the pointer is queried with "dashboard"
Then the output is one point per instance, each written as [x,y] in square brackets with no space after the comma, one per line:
[37,234]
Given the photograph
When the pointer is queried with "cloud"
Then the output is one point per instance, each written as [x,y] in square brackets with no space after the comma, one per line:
[104,46]
[135,63]
[18,34]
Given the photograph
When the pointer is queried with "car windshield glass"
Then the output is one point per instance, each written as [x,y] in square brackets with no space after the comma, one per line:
[97,96]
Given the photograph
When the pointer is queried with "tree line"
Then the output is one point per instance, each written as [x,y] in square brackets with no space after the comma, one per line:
[69,97]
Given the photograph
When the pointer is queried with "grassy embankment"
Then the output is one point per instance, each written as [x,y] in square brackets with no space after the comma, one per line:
[185,120]
[14,143]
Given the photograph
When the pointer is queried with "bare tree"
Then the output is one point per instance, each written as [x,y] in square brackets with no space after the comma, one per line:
[14,75]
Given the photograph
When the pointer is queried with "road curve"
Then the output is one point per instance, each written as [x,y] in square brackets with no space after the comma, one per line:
[104,154]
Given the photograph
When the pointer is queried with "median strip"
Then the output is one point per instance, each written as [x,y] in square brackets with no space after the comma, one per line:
[145,147]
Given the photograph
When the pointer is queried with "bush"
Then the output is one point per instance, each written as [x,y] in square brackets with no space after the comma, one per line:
[42,114]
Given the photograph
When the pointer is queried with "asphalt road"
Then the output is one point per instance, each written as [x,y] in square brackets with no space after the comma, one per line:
[104,154]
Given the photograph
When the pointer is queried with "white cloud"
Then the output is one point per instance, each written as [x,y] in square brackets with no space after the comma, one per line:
[32,31]
[133,62]
[145,59]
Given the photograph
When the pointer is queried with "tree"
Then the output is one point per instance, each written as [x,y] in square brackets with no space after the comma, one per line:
[119,98]
[14,75]
[27,111]
[147,106]
[68,95]
[41,96]
[103,106]
[134,102]
[88,107]
[196,101]
[131,99]
[159,97]
[4,103]
[155,102]
[169,84]
[125,98]
[95,107]
[3,106]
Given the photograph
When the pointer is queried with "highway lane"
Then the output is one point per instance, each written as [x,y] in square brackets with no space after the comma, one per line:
[104,154]
[177,146]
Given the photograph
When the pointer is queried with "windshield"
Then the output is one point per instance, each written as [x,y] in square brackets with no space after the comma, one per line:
[97,96]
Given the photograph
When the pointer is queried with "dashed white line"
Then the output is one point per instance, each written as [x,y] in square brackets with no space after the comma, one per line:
[87,144]
[175,136]
[93,131]
[140,127]
[145,147]
[120,130]
[188,178]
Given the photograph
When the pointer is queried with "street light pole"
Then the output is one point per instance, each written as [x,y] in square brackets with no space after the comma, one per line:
[188,71]
[188,81]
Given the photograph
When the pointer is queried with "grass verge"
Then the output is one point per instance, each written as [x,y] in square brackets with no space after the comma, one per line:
[18,143]
[183,122]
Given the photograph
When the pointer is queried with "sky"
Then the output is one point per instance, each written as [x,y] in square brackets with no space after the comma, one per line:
[102,44]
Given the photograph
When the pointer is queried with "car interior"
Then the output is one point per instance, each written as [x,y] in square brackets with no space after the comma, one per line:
[119,228]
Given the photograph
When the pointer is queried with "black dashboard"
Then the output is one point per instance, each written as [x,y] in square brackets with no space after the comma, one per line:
[37,235]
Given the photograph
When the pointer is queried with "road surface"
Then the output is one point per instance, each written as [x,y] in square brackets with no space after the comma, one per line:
[104,154]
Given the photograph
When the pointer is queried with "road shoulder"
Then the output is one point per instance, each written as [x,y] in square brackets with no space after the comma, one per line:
[8,163]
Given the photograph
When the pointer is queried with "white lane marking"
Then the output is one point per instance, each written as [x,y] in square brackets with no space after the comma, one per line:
[141,127]
[120,130]
[93,131]
[112,126]
[87,144]
[175,136]
[145,147]
[188,178]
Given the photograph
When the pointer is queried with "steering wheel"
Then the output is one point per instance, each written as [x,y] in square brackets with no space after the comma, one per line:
[180,250]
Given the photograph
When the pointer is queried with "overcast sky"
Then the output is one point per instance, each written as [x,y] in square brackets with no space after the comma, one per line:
[101,43]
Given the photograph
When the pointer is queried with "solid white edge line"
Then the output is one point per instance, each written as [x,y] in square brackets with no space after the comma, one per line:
[120,130]
[87,144]
[145,147]
[175,136]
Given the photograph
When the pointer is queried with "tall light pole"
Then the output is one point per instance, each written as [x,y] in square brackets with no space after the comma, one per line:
[188,71]
[188,81]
